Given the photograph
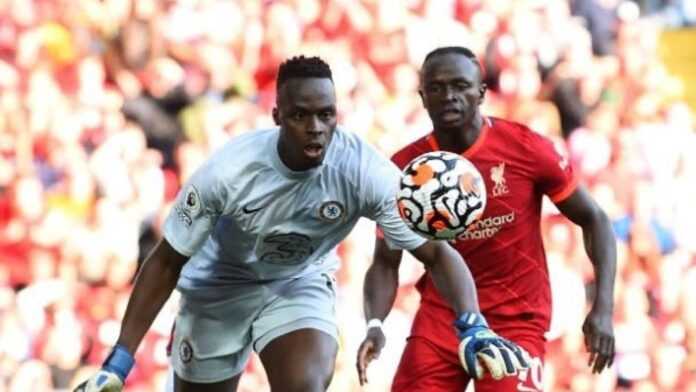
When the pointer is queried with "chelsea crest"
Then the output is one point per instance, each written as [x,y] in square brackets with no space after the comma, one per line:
[331,211]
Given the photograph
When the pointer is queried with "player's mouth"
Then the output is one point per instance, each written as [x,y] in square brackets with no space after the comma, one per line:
[314,151]
[450,115]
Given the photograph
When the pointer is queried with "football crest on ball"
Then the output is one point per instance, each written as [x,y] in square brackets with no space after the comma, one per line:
[440,195]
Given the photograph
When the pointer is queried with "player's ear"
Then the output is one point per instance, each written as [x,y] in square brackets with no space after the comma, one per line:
[276,116]
[422,97]
[482,92]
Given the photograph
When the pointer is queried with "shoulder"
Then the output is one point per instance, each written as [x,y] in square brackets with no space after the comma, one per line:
[252,140]
[353,157]
[512,133]
[350,148]
[238,155]
[507,128]
[345,141]
[247,145]
[412,150]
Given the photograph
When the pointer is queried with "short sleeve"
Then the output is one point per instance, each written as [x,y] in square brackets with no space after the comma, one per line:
[556,177]
[195,212]
[381,182]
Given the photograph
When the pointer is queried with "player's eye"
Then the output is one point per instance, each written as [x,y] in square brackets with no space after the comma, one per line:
[326,115]
[434,88]
[298,116]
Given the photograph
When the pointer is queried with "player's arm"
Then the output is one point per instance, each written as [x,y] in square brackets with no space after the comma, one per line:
[479,346]
[189,223]
[381,281]
[600,245]
[153,286]
[455,282]
[556,178]
[448,270]
[379,291]
[450,273]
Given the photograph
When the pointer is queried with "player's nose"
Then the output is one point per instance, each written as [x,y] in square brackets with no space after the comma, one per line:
[447,93]
[315,127]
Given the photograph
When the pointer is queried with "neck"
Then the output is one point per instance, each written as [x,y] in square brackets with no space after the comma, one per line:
[458,140]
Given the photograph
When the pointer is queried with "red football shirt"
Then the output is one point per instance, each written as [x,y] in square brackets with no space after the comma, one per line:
[504,248]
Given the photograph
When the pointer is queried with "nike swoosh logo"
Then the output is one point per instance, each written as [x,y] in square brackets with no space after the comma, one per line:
[248,210]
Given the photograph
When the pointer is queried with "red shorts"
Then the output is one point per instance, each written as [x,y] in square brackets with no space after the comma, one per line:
[430,361]
[425,367]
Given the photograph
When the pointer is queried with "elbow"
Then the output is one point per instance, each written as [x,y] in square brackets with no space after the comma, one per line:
[164,263]
[600,218]
[603,221]
[596,220]
[598,231]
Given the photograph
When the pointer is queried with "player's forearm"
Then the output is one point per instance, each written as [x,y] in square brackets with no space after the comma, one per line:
[455,282]
[153,286]
[450,275]
[600,245]
[379,291]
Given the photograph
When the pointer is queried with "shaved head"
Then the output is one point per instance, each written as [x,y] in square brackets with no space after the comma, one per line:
[450,50]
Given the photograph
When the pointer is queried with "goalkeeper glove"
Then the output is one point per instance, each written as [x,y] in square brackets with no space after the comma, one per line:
[112,374]
[478,342]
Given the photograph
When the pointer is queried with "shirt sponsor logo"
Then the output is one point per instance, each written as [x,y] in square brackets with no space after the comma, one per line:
[498,177]
[486,228]
[286,248]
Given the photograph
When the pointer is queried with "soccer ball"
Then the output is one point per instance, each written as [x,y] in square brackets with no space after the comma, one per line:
[440,195]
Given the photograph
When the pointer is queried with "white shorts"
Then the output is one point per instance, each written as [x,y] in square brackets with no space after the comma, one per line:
[212,340]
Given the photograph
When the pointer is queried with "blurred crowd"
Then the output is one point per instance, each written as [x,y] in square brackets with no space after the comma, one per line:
[106,107]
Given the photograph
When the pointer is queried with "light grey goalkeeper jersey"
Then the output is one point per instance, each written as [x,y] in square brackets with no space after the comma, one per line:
[244,217]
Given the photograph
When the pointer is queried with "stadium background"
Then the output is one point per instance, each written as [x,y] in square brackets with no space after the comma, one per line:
[107,106]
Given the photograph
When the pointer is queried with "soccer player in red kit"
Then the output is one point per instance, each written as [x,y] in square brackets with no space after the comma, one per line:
[503,249]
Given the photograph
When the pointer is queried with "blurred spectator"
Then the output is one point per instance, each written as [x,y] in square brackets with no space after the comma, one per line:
[106,107]
[672,13]
[600,20]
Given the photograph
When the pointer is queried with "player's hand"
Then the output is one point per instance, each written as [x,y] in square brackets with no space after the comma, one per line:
[599,339]
[481,349]
[102,381]
[369,350]
[111,376]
